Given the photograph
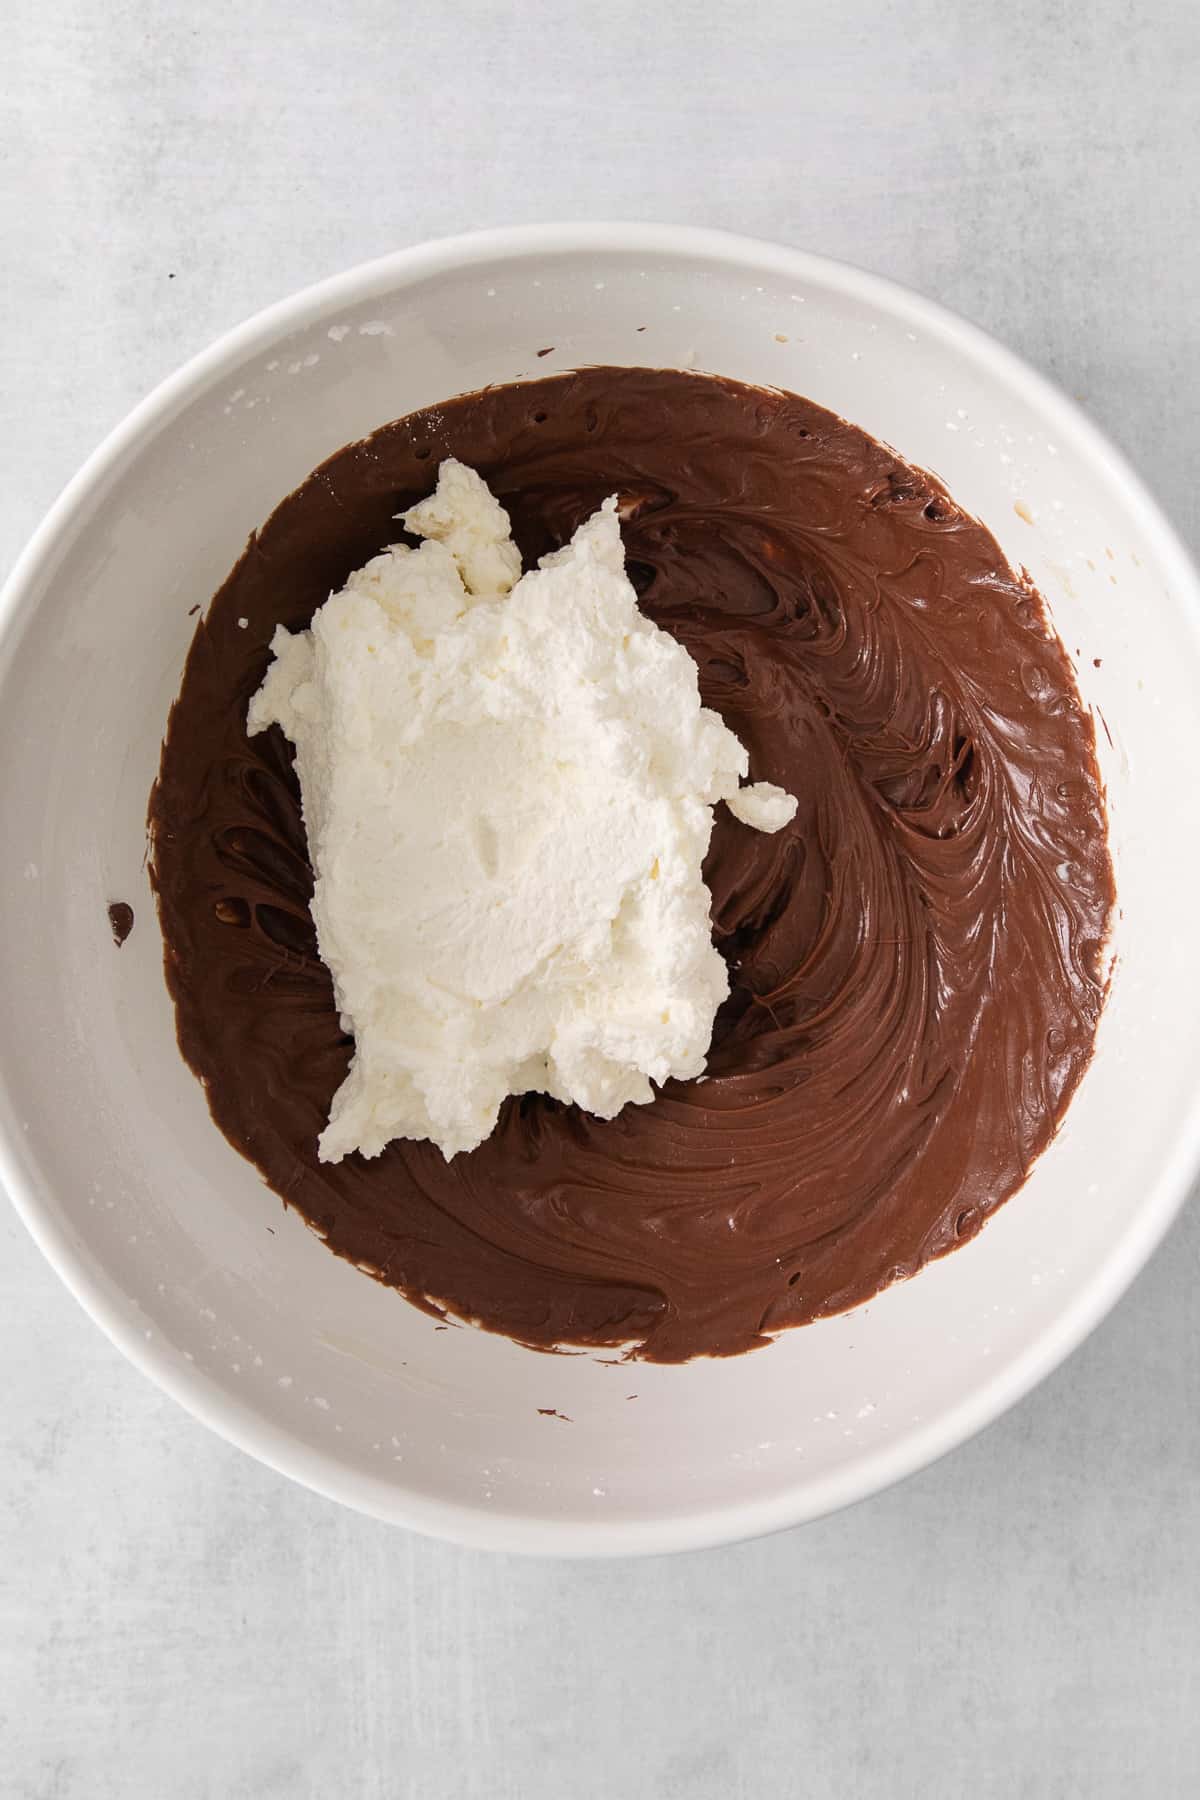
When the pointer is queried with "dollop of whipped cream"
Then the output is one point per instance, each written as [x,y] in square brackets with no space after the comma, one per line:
[507,783]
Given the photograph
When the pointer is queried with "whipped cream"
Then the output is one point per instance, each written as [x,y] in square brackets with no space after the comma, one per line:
[763,805]
[507,783]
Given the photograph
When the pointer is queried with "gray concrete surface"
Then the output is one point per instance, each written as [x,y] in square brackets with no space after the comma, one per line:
[1024,1618]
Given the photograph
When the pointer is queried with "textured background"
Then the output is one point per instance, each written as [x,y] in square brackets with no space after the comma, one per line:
[1023,1619]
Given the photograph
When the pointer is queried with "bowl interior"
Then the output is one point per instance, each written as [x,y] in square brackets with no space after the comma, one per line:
[174,1242]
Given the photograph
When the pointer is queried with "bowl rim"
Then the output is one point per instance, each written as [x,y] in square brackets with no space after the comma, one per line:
[686,1529]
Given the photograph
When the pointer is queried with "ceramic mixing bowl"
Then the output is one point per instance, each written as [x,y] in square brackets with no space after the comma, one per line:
[172,1241]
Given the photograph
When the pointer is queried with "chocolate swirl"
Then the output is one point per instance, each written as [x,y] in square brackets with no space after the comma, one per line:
[915,962]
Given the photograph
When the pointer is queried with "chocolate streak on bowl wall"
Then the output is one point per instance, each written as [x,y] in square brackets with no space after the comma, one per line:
[120,921]
[915,962]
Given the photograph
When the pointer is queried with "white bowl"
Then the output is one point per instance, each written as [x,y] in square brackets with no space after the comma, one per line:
[174,1244]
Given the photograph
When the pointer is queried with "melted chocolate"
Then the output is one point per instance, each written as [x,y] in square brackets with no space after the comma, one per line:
[915,962]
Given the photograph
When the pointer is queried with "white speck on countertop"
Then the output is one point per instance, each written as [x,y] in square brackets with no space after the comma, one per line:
[338,332]
[375,328]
